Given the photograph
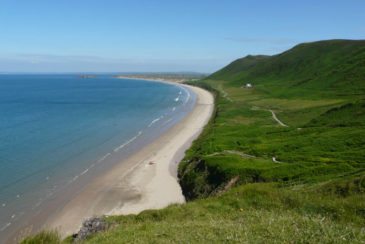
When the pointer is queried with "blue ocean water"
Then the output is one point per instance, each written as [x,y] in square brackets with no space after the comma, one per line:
[57,129]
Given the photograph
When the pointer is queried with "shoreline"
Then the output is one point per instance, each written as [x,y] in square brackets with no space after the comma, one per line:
[145,180]
[32,218]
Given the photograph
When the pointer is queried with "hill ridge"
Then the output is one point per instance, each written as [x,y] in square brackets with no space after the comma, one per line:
[334,67]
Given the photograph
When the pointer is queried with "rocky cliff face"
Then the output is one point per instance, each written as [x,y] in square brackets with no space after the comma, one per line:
[89,227]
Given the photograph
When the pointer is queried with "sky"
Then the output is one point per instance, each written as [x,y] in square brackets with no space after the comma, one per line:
[163,35]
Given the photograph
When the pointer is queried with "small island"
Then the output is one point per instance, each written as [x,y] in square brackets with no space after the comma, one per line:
[87,76]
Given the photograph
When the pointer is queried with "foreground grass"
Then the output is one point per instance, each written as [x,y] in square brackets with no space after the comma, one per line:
[44,237]
[253,213]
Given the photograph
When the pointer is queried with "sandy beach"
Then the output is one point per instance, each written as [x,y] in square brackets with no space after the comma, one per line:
[145,180]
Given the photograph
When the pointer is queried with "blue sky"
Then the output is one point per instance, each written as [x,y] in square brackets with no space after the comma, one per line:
[157,35]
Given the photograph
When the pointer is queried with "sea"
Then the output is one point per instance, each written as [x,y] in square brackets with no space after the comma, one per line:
[59,131]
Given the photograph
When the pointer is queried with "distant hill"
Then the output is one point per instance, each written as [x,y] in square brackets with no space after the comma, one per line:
[333,66]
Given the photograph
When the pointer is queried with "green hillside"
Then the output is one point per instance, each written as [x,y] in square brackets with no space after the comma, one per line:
[281,162]
[335,67]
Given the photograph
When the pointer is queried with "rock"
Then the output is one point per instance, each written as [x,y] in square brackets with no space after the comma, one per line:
[90,226]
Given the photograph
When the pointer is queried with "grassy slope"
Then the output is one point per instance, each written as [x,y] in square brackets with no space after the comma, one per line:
[335,67]
[315,193]
[325,138]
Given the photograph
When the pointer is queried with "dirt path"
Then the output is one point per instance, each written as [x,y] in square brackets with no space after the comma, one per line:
[243,155]
[273,115]
[276,118]
[224,94]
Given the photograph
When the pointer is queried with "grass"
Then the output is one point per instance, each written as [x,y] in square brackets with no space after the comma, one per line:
[333,68]
[44,237]
[324,141]
[252,213]
[314,192]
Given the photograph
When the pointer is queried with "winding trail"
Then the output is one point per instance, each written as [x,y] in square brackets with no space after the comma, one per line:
[275,160]
[276,118]
[225,94]
[243,155]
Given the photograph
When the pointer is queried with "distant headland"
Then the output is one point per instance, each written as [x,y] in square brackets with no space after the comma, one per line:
[174,77]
